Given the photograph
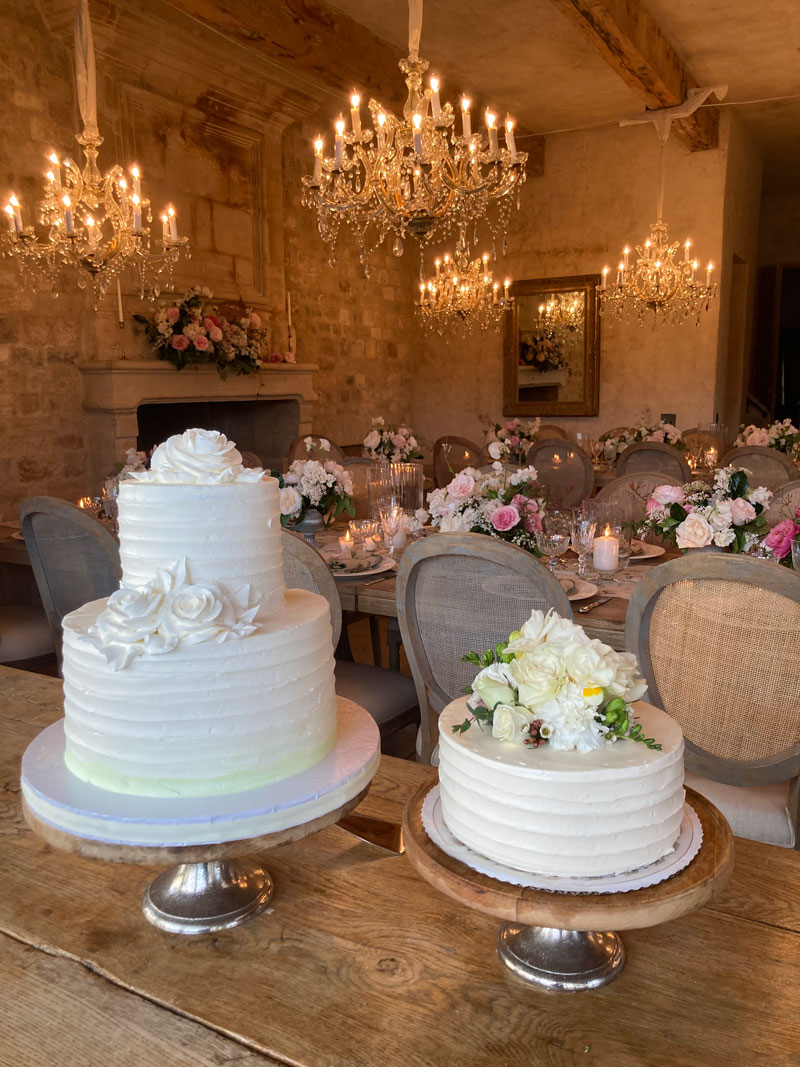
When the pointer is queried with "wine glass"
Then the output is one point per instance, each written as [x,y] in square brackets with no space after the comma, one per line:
[393,519]
[582,530]
[552,544]
[363,531]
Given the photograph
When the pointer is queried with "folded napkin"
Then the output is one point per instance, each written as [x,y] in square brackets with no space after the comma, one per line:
[356,564]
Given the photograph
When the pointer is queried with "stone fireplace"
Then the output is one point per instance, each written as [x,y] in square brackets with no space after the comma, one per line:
[132,404]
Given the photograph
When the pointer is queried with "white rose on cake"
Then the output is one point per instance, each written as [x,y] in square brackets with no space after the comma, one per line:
[494,685]
[510,723]
[539,676]
[127,627]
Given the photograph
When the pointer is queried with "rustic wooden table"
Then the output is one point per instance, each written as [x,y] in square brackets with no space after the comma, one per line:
[360,962]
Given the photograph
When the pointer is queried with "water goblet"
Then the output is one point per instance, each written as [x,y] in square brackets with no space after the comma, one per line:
[582,531]
[393,523]
[362,531]
[552,545]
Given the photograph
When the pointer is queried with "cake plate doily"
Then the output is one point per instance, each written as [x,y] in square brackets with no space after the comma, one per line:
[551,938]
[210,887]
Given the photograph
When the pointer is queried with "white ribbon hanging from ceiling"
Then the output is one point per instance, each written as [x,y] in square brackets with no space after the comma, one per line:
[414,27]
[85,74]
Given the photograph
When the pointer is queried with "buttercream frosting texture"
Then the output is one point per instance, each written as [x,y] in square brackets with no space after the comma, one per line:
[204,456]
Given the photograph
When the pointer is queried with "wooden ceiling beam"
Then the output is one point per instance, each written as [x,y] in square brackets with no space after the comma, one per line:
[632,43]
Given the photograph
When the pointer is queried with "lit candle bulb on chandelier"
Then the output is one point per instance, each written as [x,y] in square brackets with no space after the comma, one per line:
[53,158]
[165,227]
[14,204]
[620,269]
[506,286]
[65,200]
[709,269]
[438,264]
[436,106]
[495,294]
[466,121]
[173,223]
[137,181]
[686,248]
[473,162]
[490,126]
[417,123]
[625,253]
[338,144]
[319,144]
[511,144]
[12,222]
[695,265]
[421,293]
[355,114]
[91,237]
[647,248]
[137,212]
[604,283]
[381,120]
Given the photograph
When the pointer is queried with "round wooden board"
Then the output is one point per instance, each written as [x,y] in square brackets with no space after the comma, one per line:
[160,854]
[705,877]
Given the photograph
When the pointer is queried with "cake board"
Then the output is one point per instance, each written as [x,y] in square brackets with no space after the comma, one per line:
[551,938]
[210,887]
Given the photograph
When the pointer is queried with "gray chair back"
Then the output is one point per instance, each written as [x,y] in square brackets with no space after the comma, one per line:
[654,456]
[636,490]
[250,459]
[453,454]
[564,469]
[304,568]
[298,450]
[459,593]
[74,558]
[785,503]
[716,636]
[361,470]
[767,466]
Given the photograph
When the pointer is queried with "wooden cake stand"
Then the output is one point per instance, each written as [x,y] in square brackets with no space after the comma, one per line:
[210,886]
[551,938]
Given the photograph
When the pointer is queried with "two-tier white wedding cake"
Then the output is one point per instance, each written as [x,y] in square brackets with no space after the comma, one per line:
[202,675]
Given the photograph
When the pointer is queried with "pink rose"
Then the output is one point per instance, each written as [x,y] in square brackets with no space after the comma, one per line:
[779,539]
[275,357]
[173,314]
[505,518]
[179,341]
[758,437]
[742,511]
[653,506]
[461,486]
[656,435]
[215,333]
[511,424]
[529,510]
[202,343]
[668,494]
[211,322]
[255,320]
[398,440]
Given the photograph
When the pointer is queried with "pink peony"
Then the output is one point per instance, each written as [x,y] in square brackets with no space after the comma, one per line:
[758,437]
[462,486]
[275,357]
[656,435]
[742,511]
[215,333]
[255,320]
[668,494]
[398,440]
[779,539]
[201,343]
[653,506]
[211,322]
[173,314]
[505,518]
[179,341]
[529,510]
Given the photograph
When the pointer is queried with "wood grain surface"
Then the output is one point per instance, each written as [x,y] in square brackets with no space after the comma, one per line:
[359,962]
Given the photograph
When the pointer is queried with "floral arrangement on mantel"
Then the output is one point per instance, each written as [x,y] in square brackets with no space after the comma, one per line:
[311,484]
[780,538]
[501,505]
[541,349]
[393,443]
[661,432]
[191,331]
[727,514]
[782,435]
[549,684]
[511,440]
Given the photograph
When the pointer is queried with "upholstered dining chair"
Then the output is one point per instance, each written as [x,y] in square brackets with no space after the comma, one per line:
[389,697]
[635,489]
[564,469]
[717,637]
[548,430]
[459,593]
[298,450]
[74,558]
[653,456]
[767,466]
[785,503]
[453,454]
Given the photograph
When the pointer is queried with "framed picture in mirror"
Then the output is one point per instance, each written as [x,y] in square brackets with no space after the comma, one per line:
[551,350]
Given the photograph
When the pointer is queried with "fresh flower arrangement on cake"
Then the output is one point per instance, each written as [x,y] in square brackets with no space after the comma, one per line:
[727,514]
[512,439]
[549,684]
[389,442]
[191,331]
[780,538]
[782,435]
[502,505]
[661,432]
[309,483]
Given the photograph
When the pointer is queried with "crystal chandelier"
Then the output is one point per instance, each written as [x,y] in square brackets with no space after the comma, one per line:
[658,283]
[462,300]
[563,314]
[416,175]
[97,225]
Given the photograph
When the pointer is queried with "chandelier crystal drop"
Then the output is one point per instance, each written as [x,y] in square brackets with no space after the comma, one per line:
[96,225]
[422,175]
[462,300]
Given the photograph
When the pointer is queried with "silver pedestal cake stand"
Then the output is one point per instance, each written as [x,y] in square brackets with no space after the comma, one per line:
[210,886]
[552,939]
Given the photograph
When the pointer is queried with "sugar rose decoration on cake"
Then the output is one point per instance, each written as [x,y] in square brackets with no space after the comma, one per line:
[550,684]
[204,457]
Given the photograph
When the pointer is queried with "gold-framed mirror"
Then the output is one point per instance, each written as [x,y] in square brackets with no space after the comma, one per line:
[551,350]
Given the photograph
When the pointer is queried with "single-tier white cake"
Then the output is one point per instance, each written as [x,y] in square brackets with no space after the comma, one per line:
[541,810]
[201,675]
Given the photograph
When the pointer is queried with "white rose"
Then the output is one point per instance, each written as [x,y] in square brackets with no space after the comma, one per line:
[627,682]
[538,675]
[589,669]
[290,501]
[128,626]
[453,524]
[694,532]
[723,538]
[324,444]
[197,456]
[496,450]
[721,516]
[372,440]
[193,613]
[510,723]
[494,685]
[761,495]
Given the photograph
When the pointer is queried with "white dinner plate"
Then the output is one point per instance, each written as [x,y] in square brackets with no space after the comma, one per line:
[18,535]
[384,566]
[648,551]
[578,589]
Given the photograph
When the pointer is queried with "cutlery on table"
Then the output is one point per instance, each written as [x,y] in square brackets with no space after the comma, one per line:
[594,604]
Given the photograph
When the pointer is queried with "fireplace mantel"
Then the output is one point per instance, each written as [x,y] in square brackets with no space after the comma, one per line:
[114,389]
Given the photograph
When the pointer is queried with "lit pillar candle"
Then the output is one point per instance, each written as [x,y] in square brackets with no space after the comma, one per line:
[137,212]
[511,144]
[65,200]
[53,158]
[401,536]
[346,546]
[466,121]
[319,144]
[338,144]
[436,106]
[417,123]
[355,114]
[605,552]
[137,181]
[490,126]
[17,213]
[173,223]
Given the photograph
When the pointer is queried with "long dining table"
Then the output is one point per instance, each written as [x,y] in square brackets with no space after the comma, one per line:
[360,962]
